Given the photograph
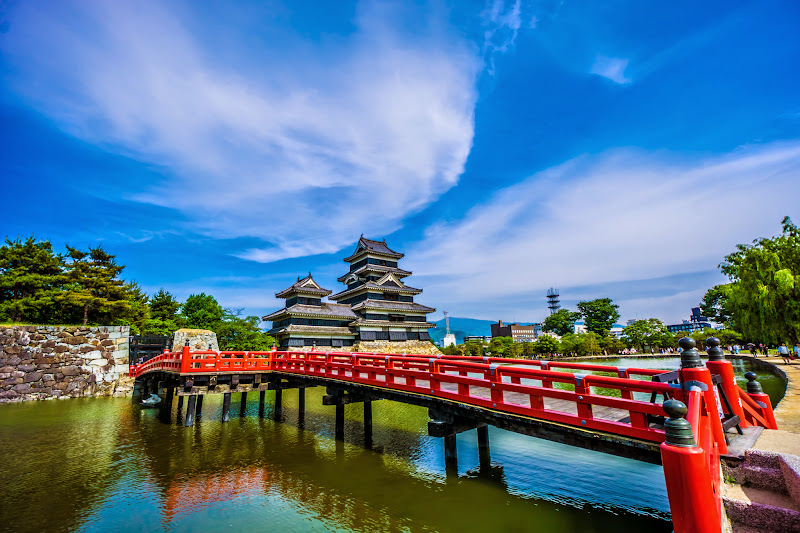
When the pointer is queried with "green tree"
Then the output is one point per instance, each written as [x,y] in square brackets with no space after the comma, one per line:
[561,322]
[580,343]
[599,314]
[546,345]
[763,296]
[93,285]
[202,311]
[164,314]
[235,332]
[612,344]
[31,278]
[651,333]
[715,305]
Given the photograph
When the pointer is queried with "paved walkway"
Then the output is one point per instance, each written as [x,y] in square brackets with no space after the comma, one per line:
[787,414]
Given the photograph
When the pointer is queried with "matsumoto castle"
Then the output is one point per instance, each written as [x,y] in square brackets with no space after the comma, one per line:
[375,312]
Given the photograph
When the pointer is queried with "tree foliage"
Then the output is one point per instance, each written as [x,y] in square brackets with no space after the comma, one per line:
[31,277]
[763,296]
[648,333]
[202,311]
[561,322]
[599,315]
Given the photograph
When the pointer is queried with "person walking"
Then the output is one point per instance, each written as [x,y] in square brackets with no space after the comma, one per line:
[783,351]
[797,351]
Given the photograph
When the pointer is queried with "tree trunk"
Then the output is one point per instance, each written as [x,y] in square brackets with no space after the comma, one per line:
[85,313]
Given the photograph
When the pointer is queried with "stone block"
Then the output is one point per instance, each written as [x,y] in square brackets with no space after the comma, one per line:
[17,374]
[32,376]
[61,386]
[5,375]
[61,348]
[87,348]
[14,361]
[23,388]
[48,377]
[8,369]
[12,381]
[12,349]
[26,367]
[49,344]
[70,370]
[76,339]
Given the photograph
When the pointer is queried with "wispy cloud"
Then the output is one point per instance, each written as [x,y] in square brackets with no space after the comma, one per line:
[282,138]
[620,216]
[612,68]
[502,22]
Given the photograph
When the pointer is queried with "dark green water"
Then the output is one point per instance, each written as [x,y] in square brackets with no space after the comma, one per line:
[104,464]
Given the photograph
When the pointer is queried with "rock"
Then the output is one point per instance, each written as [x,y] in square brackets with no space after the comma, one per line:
[12,381]
[23,388]
[61,348]
[9,394]
[32,376]
[94,354]
[61,386]
[107,342]
[86,349]
[77,339]
[70,370]
[27,368]
[7,369]
[12,349]
[48,377]
[17,374]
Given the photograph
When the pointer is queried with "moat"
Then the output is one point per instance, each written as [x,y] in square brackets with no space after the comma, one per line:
[106,464]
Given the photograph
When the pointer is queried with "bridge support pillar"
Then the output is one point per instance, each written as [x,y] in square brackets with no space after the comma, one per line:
[450,455]
[199,408]
[226,407]
[368,424]
[145,388]
[180,403]
[278,404]
[340,421]
[190,411]
[301,407]
[483,446]
[243,404]
[262,396]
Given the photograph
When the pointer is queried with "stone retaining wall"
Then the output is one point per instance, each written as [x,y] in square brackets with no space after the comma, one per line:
[45,362]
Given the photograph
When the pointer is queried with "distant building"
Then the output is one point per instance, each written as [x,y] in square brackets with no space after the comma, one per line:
[696,322]
[616,329]
[478,338]
[517,332]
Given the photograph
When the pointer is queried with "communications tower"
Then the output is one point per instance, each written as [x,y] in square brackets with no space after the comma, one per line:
[449,338]
[553,302]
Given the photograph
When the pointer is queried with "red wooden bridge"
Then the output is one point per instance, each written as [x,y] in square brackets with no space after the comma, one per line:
[684,419]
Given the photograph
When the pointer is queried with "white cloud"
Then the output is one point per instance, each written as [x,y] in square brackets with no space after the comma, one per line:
[611,68]
[620,216]
[502,23]
[300,143]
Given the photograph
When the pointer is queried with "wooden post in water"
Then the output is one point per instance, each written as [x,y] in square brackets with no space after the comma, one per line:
[199,409]
[190,410]
[340,421]
[226,407]
[262,396]
[450,456]
[278,404]
[180,403]
[243,404]
[483,446]
[301,407]
[368,423]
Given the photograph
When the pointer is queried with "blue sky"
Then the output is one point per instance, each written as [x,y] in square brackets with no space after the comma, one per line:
[611,149]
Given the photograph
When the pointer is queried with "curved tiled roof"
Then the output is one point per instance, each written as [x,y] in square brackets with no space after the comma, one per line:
[381,288]
[390,305]
[399,272]
[326,310]
[366,246]
[328,330]
[387,324]
[306,285]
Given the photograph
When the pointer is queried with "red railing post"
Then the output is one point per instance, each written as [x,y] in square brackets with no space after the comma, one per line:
[718,365]
[693,370]
[693,501]
[755,392]
[186,359]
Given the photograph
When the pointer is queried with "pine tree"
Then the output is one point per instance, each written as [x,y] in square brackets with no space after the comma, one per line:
[93,285]
[31,277]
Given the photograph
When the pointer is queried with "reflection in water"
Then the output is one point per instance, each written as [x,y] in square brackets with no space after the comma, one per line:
[105,464]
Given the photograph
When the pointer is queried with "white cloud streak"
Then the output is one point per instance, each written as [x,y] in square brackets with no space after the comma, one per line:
[620,216]
[300,144]
[611,68]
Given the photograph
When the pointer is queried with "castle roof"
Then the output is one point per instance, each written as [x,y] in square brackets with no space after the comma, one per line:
[389,305]
[399,272]
[325,310]
[306,285]
[368,246]
[388,283]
